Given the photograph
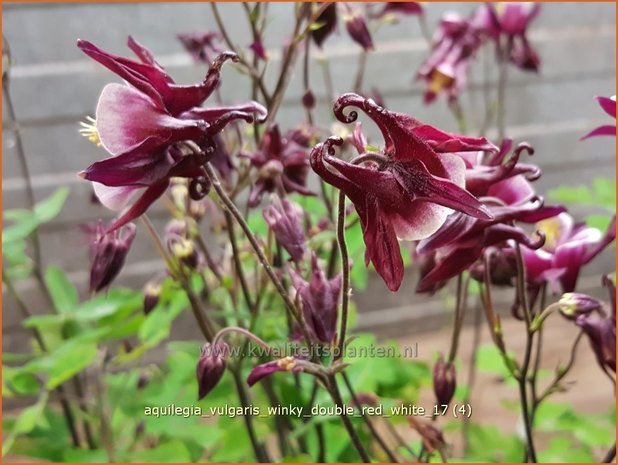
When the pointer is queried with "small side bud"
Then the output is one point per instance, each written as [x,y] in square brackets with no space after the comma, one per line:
[444,381]
[308,99]
[210,367]
[574,304]
[152,292]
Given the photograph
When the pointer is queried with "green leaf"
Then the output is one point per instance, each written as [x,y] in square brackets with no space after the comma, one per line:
[26,222]
[63,293]
[27,420]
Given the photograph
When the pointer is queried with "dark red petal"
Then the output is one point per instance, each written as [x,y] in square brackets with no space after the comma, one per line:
[450,266]
[130,169]
[608,105]
[140,206]
[606,130]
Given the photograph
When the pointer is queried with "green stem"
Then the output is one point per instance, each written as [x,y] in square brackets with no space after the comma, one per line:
[345,271]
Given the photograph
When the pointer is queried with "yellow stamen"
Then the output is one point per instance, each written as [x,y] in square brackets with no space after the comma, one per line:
[89,130]
[438,81]
[552,228]
[287,363]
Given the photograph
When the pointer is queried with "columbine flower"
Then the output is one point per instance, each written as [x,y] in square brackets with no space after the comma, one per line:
[454,47]
[568,247]
[290,364]
[202,46]
[407,190]
[574,304]
[143,124]
[405,8]
[319,297]
[284,218]
[608,104]
[444,381]
[282,164]
[108,251]
[210,367]
[511,20]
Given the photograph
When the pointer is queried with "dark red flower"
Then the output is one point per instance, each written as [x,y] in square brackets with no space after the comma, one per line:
[143,125]
[356,25]
[455,46]
[289,364]
[282,164]
[405,8]
[444,381]
[202,46]
[326,23]
[407,190]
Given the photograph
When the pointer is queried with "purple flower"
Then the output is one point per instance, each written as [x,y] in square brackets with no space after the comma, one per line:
[282,164]
[568,247]
[407,190]
[143,124]
[608,104]
[202,46]
[573,305]
[510,20]
[455,45]
[289,364]
[319,297]
[210,367]
[284,218]
[108,251]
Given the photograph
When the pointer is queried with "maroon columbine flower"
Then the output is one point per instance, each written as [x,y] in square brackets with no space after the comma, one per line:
[282,164]
[210,367]
[285,220]
[108,251]
[290,364]
[143,124]
[444,381]
[608,104]
[568,247]
[202,46]
[319,297]
[407,190]
[510,20]
[455,45]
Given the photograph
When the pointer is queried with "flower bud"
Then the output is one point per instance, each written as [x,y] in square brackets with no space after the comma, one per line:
[109,252]
[573,304]
[308,99]
[184,251]
[357,29]
[444,381]
[431,434]
[284,218]
[210,367]
[152,292]
[260,51]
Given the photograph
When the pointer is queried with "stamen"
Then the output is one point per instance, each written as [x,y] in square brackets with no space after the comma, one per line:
[89,130]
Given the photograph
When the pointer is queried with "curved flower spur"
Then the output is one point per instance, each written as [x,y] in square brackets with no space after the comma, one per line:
[144,126]
[408,189]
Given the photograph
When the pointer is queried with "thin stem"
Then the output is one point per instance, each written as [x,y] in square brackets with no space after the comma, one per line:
[460,309]
[360,71]
[334,390]
[369,422]
[237,263]
[523,372]
[476,341]
[501,97]
[345,272]
[611,454]
[306,77]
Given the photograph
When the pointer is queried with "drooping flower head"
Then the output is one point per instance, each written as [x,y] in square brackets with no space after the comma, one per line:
[608,104]
[108,252]
[454,47]
[282,163]
[444,381]
[509,21]
[319,297]
[408,189]
[144,125]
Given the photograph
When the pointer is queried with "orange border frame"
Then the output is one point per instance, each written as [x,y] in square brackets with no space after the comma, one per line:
[226,1]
